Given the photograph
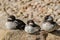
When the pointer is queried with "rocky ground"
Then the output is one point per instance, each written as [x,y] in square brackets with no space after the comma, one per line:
[25,10]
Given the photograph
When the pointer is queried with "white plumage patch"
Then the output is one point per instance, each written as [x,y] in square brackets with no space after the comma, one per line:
[10,25]
[47,27]
[30,29]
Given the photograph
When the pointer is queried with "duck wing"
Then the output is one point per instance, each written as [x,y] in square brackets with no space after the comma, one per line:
[21,24]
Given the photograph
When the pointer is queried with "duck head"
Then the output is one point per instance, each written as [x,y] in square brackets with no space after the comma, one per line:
[11,18]
[48,18]
[30,22]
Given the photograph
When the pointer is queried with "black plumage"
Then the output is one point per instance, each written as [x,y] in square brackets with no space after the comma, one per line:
[21,24]
[13,23]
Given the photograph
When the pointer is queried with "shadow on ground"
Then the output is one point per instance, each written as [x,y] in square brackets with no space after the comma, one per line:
[56,32]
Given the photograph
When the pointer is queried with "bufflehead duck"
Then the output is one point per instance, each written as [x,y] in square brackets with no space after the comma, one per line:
[48,24]
[10,24]
[13,23]
[31,27]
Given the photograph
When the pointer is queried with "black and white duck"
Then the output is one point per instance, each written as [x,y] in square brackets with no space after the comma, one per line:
[13,23]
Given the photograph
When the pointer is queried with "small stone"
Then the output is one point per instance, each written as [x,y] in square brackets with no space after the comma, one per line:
[58,21]
[50,10]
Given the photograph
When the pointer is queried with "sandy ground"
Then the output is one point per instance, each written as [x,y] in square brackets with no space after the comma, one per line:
[25,10]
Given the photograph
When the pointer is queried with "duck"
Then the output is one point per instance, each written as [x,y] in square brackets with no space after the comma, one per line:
[48,24]
[13,23]
[31,27]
